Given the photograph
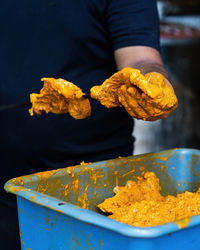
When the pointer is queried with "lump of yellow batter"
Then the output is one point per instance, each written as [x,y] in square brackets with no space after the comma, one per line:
[141,204]
[59,97]
[146,97]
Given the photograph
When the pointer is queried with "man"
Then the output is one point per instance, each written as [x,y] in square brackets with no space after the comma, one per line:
[82,41]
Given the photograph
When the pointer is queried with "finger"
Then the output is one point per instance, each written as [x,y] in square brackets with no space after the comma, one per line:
[163,116]
[132,103]
[147,103]
[134,92]
[151,111]
[138,80]
[123,101]
[142,101]
[155,118]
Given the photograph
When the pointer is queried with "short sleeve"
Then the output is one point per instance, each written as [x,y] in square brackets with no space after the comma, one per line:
[133,22]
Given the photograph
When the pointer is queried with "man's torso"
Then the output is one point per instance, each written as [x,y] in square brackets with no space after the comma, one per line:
[66,39]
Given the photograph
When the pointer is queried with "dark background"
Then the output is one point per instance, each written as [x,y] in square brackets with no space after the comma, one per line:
[180,47]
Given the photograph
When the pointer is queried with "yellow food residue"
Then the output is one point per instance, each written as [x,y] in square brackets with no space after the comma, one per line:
[183,222]
[59,97]
[46,175]
[75,186]
[146,97]
[15,189]
[140,203]
[83,199]
[66,189]
[18,180]
[96,175]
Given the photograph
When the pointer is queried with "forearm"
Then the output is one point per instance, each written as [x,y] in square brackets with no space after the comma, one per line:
[145,59]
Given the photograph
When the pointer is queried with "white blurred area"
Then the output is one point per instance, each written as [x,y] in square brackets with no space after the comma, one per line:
[145,136]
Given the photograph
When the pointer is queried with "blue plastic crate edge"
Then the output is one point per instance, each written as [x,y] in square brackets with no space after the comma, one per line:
[98,219]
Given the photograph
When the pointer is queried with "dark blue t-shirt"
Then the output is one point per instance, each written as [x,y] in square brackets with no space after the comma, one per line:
[73,40]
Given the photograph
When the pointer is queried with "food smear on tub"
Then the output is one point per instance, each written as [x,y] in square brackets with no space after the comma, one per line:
[66,189]
[46,175]
[83,199]
[75,186]
[140,203]
[60,97]
[183,222]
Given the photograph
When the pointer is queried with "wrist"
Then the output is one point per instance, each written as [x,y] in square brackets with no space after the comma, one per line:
[146,67]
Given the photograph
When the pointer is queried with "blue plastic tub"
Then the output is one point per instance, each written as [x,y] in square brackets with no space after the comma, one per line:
[51,217]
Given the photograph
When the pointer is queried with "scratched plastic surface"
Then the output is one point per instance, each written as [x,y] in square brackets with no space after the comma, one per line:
[51,217]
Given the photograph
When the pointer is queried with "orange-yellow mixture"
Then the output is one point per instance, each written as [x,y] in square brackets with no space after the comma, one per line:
[59,96]
[144,97]
[141,204]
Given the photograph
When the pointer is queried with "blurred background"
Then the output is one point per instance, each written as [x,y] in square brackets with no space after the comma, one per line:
[180,48]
